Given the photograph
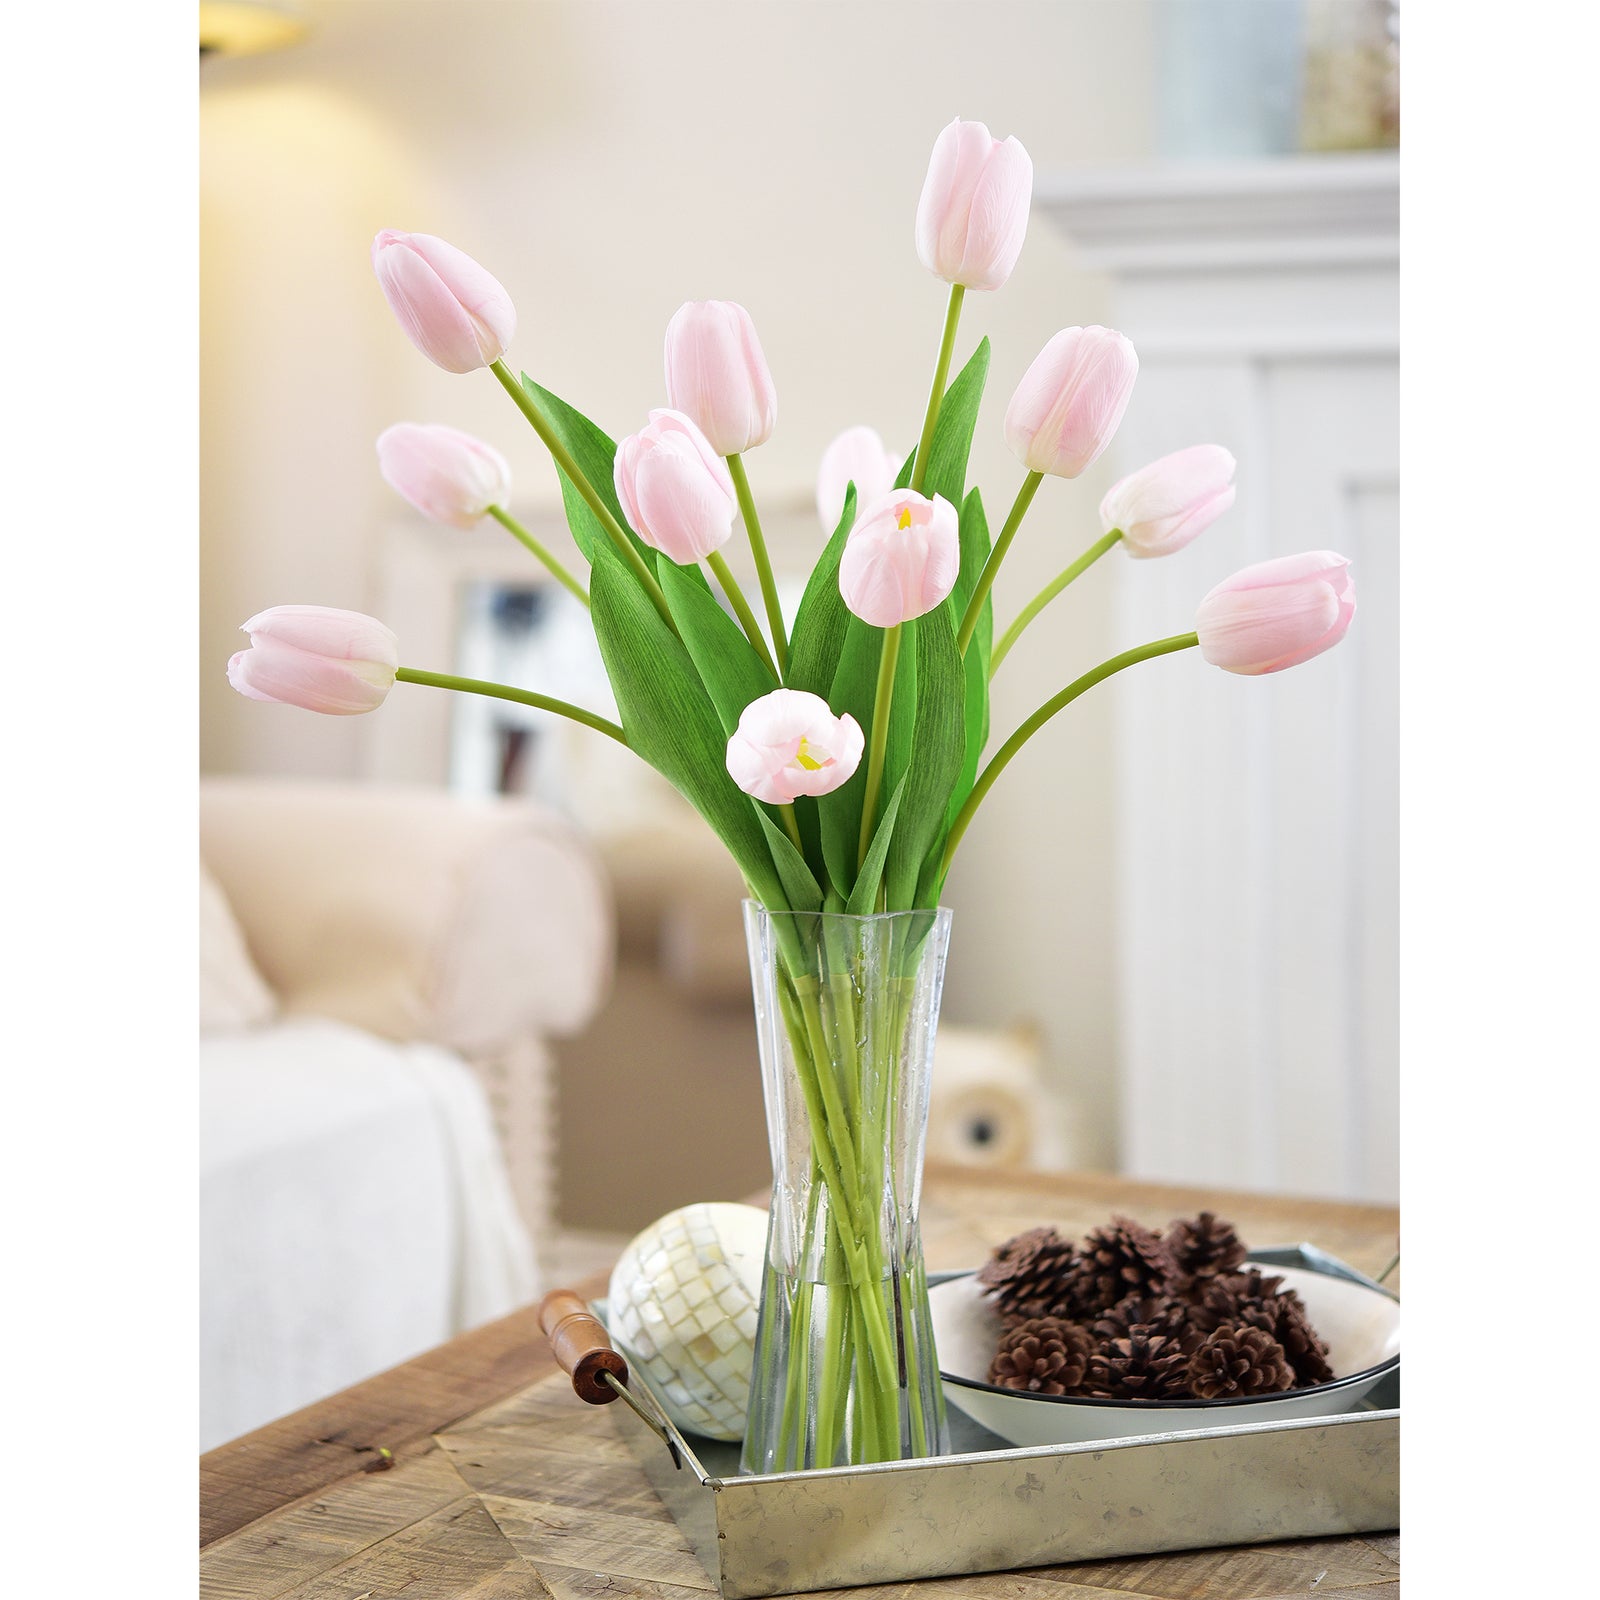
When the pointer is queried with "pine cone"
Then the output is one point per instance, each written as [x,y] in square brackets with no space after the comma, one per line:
[1027,1274]
[1246,1298]
[1306,1352]
[1158,1314]
[1205,1246]
[1114,1262]
[1142,1366]
[1238,1361]
[1042,1356]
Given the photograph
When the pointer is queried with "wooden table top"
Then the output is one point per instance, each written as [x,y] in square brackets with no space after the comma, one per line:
[402,1485]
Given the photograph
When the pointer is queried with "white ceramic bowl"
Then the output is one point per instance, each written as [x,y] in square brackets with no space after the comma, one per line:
[1361,1327]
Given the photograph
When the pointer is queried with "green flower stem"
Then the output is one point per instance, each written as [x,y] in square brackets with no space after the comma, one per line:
[919,1425]
[842,1014]
[796,1398]
[523,697]
[1048,593]
[833,1380]
[835,1118]
[791,826]
[941,374]
[1145,652]
[758,548]
[831,1145]
[866,1437]
[991,567]
[563,459]
[557,571]
[741,609]
[898,994]
[859,1228]
[887,662]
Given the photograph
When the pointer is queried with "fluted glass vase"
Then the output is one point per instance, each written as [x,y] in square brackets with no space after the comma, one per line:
[845,1369]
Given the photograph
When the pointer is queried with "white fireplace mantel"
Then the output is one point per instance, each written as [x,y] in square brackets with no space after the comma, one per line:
[1258,817]
[1255,214]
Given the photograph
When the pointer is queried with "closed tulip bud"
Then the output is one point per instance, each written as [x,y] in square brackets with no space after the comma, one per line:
[1070,400]
[1277,614]
[974,207]
[318,658]
[901,558]
[677,493]
[788,743]
[1161,507]
[717,375]
[453,311]
[446,474]
[857,456]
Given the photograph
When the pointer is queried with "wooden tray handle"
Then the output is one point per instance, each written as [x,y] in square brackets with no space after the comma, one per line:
[581,1345]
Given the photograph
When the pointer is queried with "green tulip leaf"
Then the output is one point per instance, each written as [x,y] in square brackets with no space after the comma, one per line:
[975,665]
[671,721]
[952,433]
[897,750]
[853,690]
[864,897]
[594,454]
[730,669]
[820,623]
[799,882]
[938,744]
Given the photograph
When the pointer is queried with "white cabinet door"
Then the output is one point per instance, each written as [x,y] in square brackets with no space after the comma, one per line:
[1259,815]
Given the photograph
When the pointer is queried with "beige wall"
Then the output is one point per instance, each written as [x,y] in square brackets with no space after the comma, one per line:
[608,161]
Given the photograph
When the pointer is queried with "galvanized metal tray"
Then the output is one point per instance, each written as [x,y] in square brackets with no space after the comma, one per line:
[989,1507]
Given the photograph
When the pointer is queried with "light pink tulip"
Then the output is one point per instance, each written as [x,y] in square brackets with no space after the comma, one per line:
[789,743]
[677,493]
[446,474]
[318,658]
[901,558]
[1070,400]
[453,311]
[974,207]
[856,456]
[717,374]
[1161,507]
[1277,614]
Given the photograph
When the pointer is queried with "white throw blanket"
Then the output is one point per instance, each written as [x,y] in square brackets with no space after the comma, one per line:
[354,1211]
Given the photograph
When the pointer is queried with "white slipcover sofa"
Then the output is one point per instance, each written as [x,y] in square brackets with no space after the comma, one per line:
[381,970]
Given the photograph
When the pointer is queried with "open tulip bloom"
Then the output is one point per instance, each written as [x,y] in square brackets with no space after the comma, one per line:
[842,762]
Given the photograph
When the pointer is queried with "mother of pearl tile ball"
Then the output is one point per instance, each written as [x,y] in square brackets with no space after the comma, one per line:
[685,1296]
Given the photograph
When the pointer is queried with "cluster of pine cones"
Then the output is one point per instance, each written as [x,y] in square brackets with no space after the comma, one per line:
[1132,1314]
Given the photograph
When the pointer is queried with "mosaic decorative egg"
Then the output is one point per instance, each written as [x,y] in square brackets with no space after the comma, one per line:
[685,1297]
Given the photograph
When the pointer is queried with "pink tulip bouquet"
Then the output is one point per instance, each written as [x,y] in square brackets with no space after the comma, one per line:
[842,760]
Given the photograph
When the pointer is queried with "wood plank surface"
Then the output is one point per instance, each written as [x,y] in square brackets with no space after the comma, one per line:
[505,1484]
[399,1410]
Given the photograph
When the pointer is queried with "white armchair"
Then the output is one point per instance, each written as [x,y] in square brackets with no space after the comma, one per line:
[377,1107]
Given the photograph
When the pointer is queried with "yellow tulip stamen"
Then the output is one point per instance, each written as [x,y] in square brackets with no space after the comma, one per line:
[905,518]
[805,759]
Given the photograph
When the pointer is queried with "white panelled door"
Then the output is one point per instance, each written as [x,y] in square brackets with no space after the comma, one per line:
[1258,817]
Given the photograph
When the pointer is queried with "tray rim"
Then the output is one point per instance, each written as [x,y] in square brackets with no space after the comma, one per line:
[1305,1254]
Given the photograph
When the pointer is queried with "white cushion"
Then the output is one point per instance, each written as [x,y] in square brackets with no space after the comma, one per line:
[233,994]
[354,1211]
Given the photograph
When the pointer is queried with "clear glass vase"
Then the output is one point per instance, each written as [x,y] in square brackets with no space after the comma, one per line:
[845,1370]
